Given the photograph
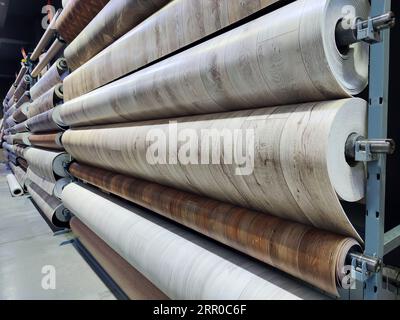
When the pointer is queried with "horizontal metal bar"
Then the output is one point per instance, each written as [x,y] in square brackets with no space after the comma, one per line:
[392,240]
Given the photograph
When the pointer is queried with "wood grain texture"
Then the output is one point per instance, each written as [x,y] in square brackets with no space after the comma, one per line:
[49,205]
[182,264]
[21,114]
[175,26]
[20,138]
[300,170]
[50,79]
[22,163]
[275,59]
[43,183]
[76,16]
[21,88]
[131,281]
[45,59]
[10,92]
[47,141]
[46,101]
[19,128]
[304,252]
[42,123]
[43,163]
[117,18]
[24,99]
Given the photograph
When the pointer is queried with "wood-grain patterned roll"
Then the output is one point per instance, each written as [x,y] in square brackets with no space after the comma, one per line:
[46,101]
[47,141]
[273,160]
[10,92]
[19,128]
[21,114]
[22,87]
[315,256]
[50,206]
[117,18]
[46,38]
[53,51]
[14,186]
[182,264]
[131,281]
[21,138]
[50,79]
[22,163]
[22,72]
[175,26]
[47,164]
[76,16]
[43,123]
[24,99]
[238,70]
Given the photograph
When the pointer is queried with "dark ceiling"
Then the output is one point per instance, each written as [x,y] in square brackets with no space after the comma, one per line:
[20,27]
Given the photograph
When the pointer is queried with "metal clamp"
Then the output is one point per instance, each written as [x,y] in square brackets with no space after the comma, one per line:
[363,267]
[363,150]
[368,30]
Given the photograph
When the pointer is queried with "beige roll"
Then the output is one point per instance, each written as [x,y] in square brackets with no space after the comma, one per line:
[288,161]
[51,78]
[46,38]
[55,48]
[14,186]
[46,101]
[51,187]
[116,19]
[47,164]
[52,208]
[181,264]
[175,26]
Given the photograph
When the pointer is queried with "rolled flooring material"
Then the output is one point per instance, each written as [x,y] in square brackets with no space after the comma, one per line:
[47,141]
[21,138]
[103,29]
[44,60]
[43,122]
[131,281]
[50,79]
[22,87]
[52,208]
[237,70]
[24,99]
[181,264]
[47,164]
[76,16]
[20,175]
[19,128]
[288,161]
[46,101]
[46,38]
[14,186]
[22,163]
[22,72]
[182,22]
[21,114]
[315,256]
[10,92]
[43,183]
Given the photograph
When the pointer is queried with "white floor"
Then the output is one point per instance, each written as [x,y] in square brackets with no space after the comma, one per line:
[33,259]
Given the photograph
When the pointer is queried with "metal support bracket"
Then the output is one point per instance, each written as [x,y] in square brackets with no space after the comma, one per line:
[370,30]
[369,150]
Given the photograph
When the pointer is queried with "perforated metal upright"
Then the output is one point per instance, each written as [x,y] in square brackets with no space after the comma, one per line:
[377,129]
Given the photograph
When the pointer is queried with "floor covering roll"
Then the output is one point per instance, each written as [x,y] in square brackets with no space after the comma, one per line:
[53,51]
[183,265]
[20,175]
[46,101]
[315,256]
[175,26]
[117,18]
[294,165]
[43,122]
[75,17]
[131,281]
[237,70]
[50,79]
[47,141]
[21,114]
[52,208]
[14,186]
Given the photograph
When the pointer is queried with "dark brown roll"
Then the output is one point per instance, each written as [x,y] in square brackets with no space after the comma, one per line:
[310,254]
[131,281]
[22,163]
[76,16]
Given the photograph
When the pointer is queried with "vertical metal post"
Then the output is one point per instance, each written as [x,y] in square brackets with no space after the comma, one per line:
[377,129]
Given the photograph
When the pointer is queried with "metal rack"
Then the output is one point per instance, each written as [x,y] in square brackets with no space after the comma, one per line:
[377,242]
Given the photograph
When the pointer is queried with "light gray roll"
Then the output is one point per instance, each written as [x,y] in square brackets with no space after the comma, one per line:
[15,188]
[181,264]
